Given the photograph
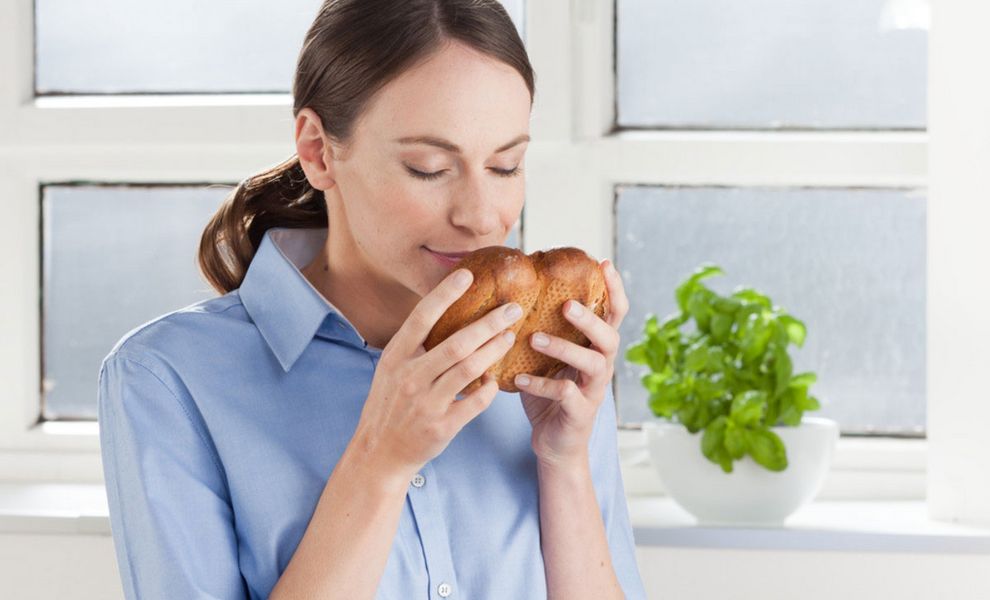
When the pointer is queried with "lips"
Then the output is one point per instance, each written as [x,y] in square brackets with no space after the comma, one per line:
[452,255]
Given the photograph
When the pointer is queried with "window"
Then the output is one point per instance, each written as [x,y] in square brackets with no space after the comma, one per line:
[849,263]
[612,135]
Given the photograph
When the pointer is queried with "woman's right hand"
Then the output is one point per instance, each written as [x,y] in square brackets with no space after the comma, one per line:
[411,413]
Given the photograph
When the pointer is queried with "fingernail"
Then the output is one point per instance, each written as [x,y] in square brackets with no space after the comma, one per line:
[513,312]
[462,277]
[522,380]
[575,309]
[540,339]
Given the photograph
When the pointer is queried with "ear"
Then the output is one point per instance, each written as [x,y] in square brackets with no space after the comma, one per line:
[314,150]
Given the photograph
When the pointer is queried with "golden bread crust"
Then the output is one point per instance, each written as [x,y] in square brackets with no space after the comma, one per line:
[540,283]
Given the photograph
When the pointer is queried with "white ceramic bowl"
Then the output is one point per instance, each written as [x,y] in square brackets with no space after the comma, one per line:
[752,495]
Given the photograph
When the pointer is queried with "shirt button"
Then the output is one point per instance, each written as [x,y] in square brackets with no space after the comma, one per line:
[419,481]
[445,590]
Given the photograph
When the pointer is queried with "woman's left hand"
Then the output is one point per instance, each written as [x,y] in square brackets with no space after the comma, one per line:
[563,409]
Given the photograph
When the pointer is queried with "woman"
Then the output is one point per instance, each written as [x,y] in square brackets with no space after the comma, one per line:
[292,438]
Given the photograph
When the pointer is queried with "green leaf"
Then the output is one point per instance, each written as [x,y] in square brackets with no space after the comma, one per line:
[726,305]
[752,296]
[697,356]
[651,381]
[709,387]
[803,380]
[766,448]
[812,404]
[650,328]
[663,406]
[735,443]
[687,414]
[699,309]
[755,344]
[636,353]
[796,330]
[668,398]
[787,409]
[721,326]
[687,289]
[656,353]
[782,370]
[748,407]
[713,436]
[674,321]
[791,415]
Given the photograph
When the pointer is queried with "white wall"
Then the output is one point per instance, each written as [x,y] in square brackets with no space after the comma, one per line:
[87,570]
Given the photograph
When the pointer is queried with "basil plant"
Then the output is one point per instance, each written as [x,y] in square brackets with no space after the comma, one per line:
[731,377]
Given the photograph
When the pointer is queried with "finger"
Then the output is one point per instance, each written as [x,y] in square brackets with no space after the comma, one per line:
[563,391]
[617,295]
[463,342]
[602,335]
[458,376]
[428,311]
[465,410]
[591,364]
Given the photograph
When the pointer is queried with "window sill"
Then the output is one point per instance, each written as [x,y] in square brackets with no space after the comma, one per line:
[841,526]
[54,508]
[853,526]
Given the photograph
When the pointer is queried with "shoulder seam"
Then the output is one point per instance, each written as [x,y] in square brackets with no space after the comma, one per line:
[162,319]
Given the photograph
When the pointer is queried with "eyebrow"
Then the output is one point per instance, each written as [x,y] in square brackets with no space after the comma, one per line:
[442,143]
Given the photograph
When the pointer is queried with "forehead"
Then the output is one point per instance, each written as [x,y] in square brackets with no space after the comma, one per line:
[459,94]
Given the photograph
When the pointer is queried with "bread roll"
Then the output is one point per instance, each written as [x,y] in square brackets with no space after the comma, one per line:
[540,283]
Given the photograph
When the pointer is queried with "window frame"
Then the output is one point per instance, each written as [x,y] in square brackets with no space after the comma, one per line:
[574,162]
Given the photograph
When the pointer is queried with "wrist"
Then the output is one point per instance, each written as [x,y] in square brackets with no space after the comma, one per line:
[366,459]
[550,462]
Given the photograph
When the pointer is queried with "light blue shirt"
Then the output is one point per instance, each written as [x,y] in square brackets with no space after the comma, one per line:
[221,422]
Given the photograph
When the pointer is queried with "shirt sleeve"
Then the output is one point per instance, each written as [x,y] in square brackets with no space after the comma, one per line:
[607,479]
[170,512]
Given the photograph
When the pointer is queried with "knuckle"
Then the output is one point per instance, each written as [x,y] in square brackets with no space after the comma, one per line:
[614,341]
[409,386]
[470,368]
[597,366]
[454,349]
[419,320]
[570,388]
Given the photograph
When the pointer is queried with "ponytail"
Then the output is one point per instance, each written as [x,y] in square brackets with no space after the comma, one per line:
[277,197]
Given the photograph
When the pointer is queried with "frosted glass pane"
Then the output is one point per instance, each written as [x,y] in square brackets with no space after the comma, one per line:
[849,263]
[772,63]
[182,46]
[114,258]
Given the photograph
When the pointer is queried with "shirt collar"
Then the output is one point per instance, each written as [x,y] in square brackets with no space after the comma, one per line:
[283,304]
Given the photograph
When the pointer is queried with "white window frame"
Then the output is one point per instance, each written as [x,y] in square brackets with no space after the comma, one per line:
[573,165]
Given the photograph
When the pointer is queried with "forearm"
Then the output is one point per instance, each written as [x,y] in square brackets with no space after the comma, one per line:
[348,539]
[575,548]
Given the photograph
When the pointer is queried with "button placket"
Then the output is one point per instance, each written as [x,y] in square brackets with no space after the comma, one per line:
[426,505]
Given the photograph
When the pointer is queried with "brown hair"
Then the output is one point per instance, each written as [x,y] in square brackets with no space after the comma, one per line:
[352,49]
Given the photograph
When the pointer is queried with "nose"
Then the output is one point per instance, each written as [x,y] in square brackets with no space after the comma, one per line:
[475,208]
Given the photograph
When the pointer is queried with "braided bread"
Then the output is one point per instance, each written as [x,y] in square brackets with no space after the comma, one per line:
[540,283]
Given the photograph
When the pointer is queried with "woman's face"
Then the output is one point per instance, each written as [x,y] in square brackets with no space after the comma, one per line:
[461,119]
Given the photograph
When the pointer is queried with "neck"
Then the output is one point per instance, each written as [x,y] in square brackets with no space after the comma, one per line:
[375,305]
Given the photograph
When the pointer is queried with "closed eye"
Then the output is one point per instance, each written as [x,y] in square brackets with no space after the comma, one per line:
[429,176]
